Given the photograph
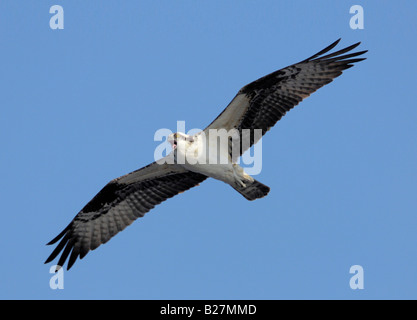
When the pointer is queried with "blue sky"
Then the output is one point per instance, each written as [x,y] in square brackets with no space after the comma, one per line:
[80,106]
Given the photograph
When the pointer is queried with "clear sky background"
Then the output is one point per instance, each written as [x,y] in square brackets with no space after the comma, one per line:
[80,107]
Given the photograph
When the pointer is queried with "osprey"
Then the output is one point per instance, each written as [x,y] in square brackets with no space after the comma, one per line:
[256,107]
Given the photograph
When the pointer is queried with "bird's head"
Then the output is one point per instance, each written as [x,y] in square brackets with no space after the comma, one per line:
[178,138]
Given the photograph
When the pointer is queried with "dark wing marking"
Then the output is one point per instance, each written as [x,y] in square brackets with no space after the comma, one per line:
[260,104]
[117,205]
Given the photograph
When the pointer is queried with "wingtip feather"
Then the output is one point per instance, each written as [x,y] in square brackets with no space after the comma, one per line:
[59,236]
[327,49]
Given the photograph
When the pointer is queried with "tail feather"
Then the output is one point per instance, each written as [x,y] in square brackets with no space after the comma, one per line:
[252,191]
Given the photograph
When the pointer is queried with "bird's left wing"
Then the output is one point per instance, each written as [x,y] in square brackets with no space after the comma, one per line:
[118,204]
[260,104]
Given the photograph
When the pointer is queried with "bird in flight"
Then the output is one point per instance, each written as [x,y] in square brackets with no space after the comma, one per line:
[253,111]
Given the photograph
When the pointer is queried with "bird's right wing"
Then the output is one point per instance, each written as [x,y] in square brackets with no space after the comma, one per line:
[118,204]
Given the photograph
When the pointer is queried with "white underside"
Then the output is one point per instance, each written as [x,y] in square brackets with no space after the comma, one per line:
[212,159]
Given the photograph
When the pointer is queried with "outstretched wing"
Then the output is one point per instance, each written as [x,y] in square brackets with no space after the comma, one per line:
[260,104]
[117,205]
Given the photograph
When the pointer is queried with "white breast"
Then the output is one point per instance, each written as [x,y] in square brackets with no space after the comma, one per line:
[209,156]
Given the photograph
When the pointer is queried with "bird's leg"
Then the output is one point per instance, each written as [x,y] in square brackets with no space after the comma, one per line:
[241,177]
